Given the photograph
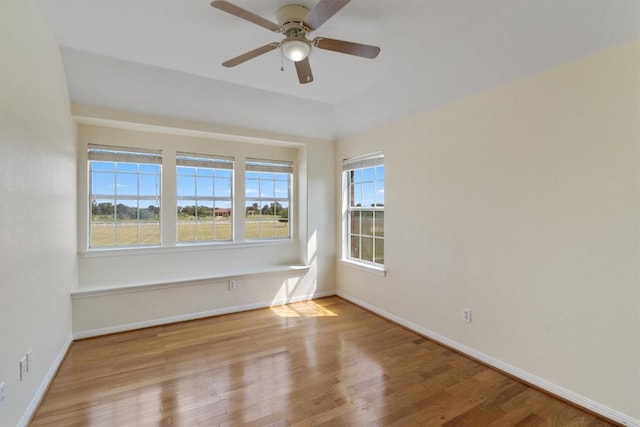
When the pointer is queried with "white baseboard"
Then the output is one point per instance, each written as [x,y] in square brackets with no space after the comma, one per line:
[543,384]
[199,315]
[44,385]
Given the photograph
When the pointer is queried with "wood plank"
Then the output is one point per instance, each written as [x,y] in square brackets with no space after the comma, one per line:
[323,362]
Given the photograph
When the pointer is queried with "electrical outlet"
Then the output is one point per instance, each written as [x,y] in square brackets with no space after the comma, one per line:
[232,285]
[23,367]
[2,395]
[29,361]
[466,314]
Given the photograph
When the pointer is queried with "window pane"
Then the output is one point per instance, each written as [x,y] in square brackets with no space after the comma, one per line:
[149,185]
[355,246]
[186,186]
[103,166]
[102,210]
[282,189]
[204,186]
[127,184]
[252,188]
[268,229]
[222,222]
[103,234]
[282,224]
[368,194]
[378,229]
[183,170]
[379,251]
[148,168]
[127,167]
[126,233]
[367,249]
[151,212]
[357,195]
[103,183]
[222,187]
[150,232]
[368,174]
[380,193]
[252,221]
[267,190]
[222,173]
[204,224]
[367,223]
[355,222]
[205,209]
[186,230]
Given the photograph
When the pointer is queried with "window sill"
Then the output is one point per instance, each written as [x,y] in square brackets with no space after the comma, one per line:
[180,247]
[194,281]
[378,271]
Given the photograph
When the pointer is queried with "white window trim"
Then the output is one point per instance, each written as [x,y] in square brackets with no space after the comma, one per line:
[368,160]
[119,154]
[274,166]
[168,223]
[208,161]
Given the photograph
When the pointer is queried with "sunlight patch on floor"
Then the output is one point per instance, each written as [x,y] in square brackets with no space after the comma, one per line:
[306,309]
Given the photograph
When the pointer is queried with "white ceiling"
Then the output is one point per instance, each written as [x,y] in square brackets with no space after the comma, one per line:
[163,56]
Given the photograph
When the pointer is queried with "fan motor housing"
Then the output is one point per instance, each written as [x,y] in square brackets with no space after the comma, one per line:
[290,18]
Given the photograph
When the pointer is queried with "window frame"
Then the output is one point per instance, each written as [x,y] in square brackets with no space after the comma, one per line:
[123,155]
[349,167]
[169,199]
[214,163]
[265,166]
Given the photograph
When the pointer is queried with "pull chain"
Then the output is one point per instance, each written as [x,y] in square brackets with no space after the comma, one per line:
[281,60]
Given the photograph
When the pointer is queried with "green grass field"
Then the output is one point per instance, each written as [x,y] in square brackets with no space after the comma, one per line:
[126,233]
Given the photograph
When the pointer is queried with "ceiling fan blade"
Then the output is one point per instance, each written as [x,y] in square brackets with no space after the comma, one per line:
[350,48]
[250,55]
[304,71]
[245,14]
[324,10]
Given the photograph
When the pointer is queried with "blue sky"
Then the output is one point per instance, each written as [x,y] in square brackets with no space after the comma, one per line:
[368,183]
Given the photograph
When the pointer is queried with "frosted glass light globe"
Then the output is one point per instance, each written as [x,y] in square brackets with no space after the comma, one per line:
[296,49]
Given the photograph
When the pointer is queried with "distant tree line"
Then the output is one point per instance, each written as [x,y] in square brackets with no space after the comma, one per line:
[202,211]
[107,210]
[274,208]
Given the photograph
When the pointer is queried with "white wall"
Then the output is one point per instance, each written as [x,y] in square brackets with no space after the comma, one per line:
[252,264]
[37,206]
[522,203]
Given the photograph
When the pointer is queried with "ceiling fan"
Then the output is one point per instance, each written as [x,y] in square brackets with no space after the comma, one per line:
[295,22]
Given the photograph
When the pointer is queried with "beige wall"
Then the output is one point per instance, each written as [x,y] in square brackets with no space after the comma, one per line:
[37,207]
[523,204]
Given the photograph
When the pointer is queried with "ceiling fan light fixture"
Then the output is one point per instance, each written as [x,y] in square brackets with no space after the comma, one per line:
[296,49]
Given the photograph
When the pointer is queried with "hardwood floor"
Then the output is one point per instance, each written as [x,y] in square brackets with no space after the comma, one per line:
[324,362]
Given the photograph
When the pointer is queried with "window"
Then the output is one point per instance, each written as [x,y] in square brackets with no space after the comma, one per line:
[204,197]
[364,184]
[124,194]
[268,199]
[199,199]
